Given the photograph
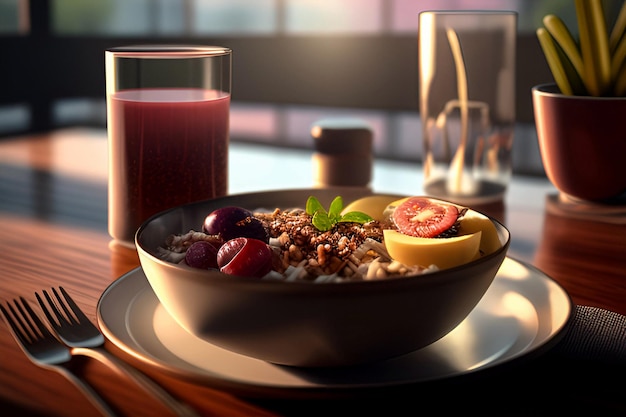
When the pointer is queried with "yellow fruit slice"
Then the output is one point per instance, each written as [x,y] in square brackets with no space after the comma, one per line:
[443,252]
[373,205]
[473,222]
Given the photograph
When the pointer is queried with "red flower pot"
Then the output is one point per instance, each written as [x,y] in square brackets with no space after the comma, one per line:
[582,141]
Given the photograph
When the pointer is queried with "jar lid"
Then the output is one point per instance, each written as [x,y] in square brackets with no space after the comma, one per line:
[342,135]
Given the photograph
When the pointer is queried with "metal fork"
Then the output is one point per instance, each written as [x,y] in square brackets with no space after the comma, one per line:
[43,349]
[77,331]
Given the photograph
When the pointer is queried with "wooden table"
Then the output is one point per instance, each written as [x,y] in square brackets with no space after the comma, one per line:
[53,232]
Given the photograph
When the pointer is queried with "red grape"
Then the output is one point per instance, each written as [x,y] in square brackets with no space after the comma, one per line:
[232,222]
[245,257]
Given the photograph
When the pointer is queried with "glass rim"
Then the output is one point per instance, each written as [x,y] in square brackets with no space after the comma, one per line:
[470,12]
[168,51]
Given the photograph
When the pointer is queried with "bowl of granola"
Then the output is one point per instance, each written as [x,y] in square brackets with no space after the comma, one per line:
[320,277]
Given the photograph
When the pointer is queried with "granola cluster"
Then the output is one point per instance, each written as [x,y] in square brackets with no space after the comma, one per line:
[341,252]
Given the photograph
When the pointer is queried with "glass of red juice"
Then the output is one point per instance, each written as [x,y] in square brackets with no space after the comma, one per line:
[168,130]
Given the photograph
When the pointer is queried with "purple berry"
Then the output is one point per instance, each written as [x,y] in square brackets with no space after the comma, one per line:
[202,255]
[231,222]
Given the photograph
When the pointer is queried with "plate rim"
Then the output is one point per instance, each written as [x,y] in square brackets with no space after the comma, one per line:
[261,390]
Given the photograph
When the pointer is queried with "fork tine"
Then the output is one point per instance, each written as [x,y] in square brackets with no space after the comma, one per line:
[16,324]
[52,306]
[71,315]
[34,318]
[75,309]
[59,302]
[71,325]
[22,319]
[46,310]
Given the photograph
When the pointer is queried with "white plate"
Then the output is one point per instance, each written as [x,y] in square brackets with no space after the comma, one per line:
[523,310]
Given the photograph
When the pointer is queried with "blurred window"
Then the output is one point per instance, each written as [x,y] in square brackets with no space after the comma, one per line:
[235,17]
[331,16]
[330,28]
[291,17]
[13,17]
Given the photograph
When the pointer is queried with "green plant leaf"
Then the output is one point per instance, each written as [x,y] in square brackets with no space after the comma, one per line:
[313,205]
[356,217]
[334,211]
[325,220]
[321,221]
[336,206]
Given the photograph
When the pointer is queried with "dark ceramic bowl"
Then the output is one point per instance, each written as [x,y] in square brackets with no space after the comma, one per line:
[302,323]
[582,141]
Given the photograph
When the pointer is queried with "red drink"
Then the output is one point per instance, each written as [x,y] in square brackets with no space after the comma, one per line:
[167,147]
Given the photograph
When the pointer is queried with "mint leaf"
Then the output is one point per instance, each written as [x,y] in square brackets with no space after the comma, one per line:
[313,205]
[325,220]
[356,217]
[335,207]
[334,211]
[321,221]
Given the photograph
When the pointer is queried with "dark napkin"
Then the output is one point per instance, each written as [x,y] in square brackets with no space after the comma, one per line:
[594,334]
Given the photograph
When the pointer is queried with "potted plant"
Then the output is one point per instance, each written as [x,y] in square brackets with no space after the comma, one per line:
[581,118]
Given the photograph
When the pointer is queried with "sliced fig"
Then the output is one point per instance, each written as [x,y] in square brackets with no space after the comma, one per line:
[424,217]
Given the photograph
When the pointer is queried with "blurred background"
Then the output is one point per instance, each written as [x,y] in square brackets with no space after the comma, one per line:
[294,62]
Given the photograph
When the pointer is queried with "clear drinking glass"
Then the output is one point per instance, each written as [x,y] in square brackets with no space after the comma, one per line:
[467,103]
[168,130]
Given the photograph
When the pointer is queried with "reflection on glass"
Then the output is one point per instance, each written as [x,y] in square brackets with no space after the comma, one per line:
[467,103]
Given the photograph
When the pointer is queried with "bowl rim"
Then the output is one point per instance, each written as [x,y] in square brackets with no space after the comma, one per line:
[427,279]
